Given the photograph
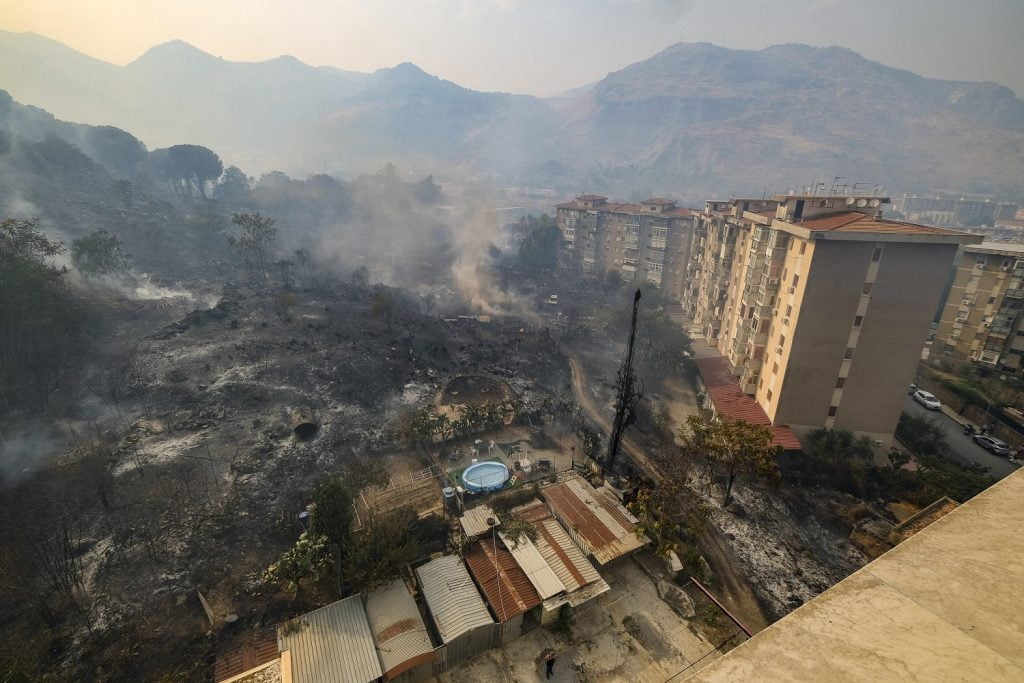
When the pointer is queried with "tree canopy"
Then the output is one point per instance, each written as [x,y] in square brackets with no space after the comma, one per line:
[38,326]
[116,149]
[99,253]
[732,447]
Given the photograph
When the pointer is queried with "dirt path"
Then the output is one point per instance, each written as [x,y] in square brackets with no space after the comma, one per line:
[736,592]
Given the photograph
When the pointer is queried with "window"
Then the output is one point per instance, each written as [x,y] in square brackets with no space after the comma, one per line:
[849,353]
[877,255]
[840,382]
[857,322]
[775,369]
[789,310]
[782,340]
[991,300]
[769,395]
[980,262]
[867,287]
[796,279]
[803,248]
[832,411]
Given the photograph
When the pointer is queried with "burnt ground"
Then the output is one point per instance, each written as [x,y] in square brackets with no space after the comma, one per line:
[204,477]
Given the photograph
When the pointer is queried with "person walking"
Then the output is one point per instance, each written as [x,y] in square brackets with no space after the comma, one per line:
[549,663]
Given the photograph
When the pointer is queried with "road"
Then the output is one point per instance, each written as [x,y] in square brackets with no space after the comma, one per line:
[736,592]
[963,449]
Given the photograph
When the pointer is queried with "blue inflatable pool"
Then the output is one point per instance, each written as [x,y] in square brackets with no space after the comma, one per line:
[485,476]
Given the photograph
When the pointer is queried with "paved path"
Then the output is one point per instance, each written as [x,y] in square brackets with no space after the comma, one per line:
[962,448]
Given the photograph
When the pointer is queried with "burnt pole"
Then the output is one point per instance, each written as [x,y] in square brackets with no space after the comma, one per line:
[626,394]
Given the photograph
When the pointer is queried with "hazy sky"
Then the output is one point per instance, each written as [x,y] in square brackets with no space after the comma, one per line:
[538,46]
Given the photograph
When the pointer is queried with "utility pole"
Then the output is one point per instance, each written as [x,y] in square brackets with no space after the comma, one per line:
[626,395]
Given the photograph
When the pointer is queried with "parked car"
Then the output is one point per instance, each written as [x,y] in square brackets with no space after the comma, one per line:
[992,444]
[927,399]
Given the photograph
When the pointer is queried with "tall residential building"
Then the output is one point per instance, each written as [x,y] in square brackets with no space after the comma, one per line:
[820,305]
[982,320]
[649,241]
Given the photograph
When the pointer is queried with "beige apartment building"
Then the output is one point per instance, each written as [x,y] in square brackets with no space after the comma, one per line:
[645,242]
[820,305]
[981,321]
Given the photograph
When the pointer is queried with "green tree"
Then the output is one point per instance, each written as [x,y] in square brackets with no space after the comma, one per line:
[194,166]
[255,233]
[99,253]
[308,560]
[539,249]
[840,445]
[38,321]
[379,550]
[332,511]
[383,306]
[119,151]
[922,434]
[733,447]
[234,186]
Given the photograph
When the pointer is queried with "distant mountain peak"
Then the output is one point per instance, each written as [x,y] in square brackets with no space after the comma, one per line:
[173,50]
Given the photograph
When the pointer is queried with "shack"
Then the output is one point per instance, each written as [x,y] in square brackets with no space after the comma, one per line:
[581,581]
[463,623]
[330,645]
[511,596]
[594,519]
[403,644]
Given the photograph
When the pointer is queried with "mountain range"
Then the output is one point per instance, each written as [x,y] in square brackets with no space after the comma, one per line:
[691,121]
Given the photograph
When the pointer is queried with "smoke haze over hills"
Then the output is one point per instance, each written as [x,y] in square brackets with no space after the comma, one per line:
[693,120]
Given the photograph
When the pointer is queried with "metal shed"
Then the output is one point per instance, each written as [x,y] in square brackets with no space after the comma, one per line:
[403,645]
[459,613]
[331,645]
[594,519]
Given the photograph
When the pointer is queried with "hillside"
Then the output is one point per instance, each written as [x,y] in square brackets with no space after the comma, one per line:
[693,119]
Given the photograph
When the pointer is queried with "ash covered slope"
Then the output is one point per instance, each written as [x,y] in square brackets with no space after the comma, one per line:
[45,173]
[708,118]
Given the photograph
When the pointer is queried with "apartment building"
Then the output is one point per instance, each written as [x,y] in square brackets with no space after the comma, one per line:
[819,304]
[645,242]
[959,211]
[981,321]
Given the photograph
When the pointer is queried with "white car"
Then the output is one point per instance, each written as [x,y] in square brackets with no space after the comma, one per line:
[927,400]
[553,300]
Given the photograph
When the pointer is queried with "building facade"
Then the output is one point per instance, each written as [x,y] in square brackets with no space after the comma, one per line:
[981,321]
[644,242]
[820,306]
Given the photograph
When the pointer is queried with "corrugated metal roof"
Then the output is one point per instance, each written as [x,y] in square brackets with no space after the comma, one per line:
[732,403]
[562,555]
[474,522]
[398,629]
[533,564]
[453,599]
[332,644]
[254,648]
[508,590]
[601,523]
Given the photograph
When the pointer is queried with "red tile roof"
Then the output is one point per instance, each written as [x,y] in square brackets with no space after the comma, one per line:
[732,403]
[855,221]
[508,590]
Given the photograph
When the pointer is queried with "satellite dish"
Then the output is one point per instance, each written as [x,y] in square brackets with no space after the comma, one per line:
[862,203]
[874,202]
[850,201]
